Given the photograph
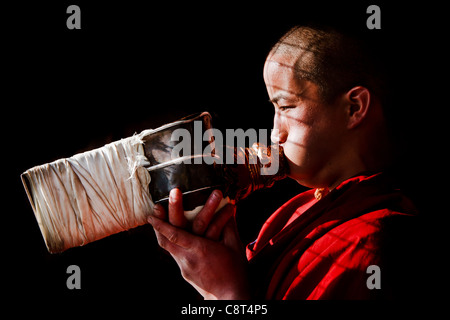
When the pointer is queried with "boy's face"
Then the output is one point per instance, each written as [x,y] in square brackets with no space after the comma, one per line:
[311,131]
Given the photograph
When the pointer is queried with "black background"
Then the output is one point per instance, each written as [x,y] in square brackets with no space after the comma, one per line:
[134,66]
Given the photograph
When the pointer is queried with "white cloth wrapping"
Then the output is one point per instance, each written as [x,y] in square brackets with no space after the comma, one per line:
[91,195]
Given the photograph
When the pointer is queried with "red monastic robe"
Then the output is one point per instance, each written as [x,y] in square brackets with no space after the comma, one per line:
[321,249]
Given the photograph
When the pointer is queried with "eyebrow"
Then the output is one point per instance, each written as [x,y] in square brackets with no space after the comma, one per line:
[281,96]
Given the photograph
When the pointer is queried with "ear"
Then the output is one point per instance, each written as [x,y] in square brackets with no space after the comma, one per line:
[358,102]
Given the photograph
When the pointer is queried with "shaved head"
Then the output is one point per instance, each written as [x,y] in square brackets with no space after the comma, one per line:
[333,61]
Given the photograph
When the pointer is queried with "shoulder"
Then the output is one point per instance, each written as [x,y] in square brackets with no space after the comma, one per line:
[343,256]
[368,233]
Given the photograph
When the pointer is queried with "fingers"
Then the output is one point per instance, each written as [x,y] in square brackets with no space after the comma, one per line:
[159,212]
[176,211]
[205,215]
[206,223]
[215,229]
[170,237]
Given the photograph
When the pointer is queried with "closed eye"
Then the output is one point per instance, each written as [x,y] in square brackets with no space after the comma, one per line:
[284,108]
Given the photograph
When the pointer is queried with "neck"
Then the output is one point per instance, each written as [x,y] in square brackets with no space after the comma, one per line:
[358,166]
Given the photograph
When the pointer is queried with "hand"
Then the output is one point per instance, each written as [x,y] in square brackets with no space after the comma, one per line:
[212,257]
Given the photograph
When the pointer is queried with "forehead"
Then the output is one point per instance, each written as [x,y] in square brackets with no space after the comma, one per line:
[291,57]
[280,76]
[286,77]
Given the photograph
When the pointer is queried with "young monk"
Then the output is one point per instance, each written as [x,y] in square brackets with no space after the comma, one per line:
[334,241]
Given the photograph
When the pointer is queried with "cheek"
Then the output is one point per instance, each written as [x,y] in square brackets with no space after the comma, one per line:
[296,145]
[307,147]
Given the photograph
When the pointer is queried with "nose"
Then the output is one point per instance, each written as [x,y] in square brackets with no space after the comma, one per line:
[279,133]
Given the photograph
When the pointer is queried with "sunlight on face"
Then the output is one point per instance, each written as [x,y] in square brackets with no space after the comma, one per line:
[309,129]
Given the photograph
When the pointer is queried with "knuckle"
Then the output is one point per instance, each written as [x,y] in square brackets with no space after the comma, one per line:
[186,274]
[190,263]
[199,226]
[213,232]
[162,242]
[202,250]
[173,237]
[157,228]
